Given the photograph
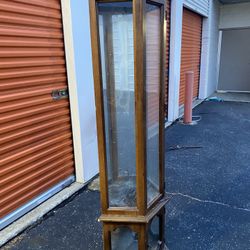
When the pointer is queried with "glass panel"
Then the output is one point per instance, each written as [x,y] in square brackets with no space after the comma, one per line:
[154,234]
[117,58]
[124,239]
[153,70]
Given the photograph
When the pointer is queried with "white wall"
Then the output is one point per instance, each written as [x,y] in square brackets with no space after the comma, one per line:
[213,69]
[235,16]
[85,88]
[209,59]
[175,59]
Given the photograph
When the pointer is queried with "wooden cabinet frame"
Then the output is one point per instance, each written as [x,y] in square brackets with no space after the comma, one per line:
[137,217]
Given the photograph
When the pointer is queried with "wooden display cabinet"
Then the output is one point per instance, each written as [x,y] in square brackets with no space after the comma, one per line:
[128,47]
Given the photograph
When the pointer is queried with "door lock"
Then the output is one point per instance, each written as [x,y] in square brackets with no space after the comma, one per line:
[60,94]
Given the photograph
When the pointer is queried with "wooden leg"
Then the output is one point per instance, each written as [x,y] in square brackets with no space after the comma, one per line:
[162,225]
[106,238]
[143,238]
[162,217]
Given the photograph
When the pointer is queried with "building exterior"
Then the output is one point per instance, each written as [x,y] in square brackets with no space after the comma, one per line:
[49,140]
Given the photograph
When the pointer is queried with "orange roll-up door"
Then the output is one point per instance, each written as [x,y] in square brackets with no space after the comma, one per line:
[36,151]
[191,50]
[153,99]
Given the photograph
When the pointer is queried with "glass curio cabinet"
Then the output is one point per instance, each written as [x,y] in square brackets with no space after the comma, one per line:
[128,47]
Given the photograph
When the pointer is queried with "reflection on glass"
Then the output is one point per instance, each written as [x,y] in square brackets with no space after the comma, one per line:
[124,239]
[154,234]
[153,45]
[117,59]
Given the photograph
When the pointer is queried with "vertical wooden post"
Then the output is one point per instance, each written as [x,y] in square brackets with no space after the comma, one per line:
[140,104]
[110,93]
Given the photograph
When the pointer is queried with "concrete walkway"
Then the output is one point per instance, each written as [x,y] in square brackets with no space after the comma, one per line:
[233,97]
[207,174]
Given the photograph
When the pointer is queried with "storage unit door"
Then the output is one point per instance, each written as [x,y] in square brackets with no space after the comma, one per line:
[168,11]
[151,64]
[36,150]
[234,61]
[191,51]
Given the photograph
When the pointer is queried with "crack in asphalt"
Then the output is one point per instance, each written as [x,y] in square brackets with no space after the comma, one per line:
[208,201]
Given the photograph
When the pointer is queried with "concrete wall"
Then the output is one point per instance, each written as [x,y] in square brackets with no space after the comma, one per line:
[85,87]
[235,16]
[235,60]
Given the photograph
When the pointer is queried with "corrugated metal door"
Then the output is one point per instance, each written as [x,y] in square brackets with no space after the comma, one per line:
[191,50]
[153,54]
[168,10]
[36,150]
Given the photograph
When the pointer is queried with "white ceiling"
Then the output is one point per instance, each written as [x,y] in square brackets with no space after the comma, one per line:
[233,1]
